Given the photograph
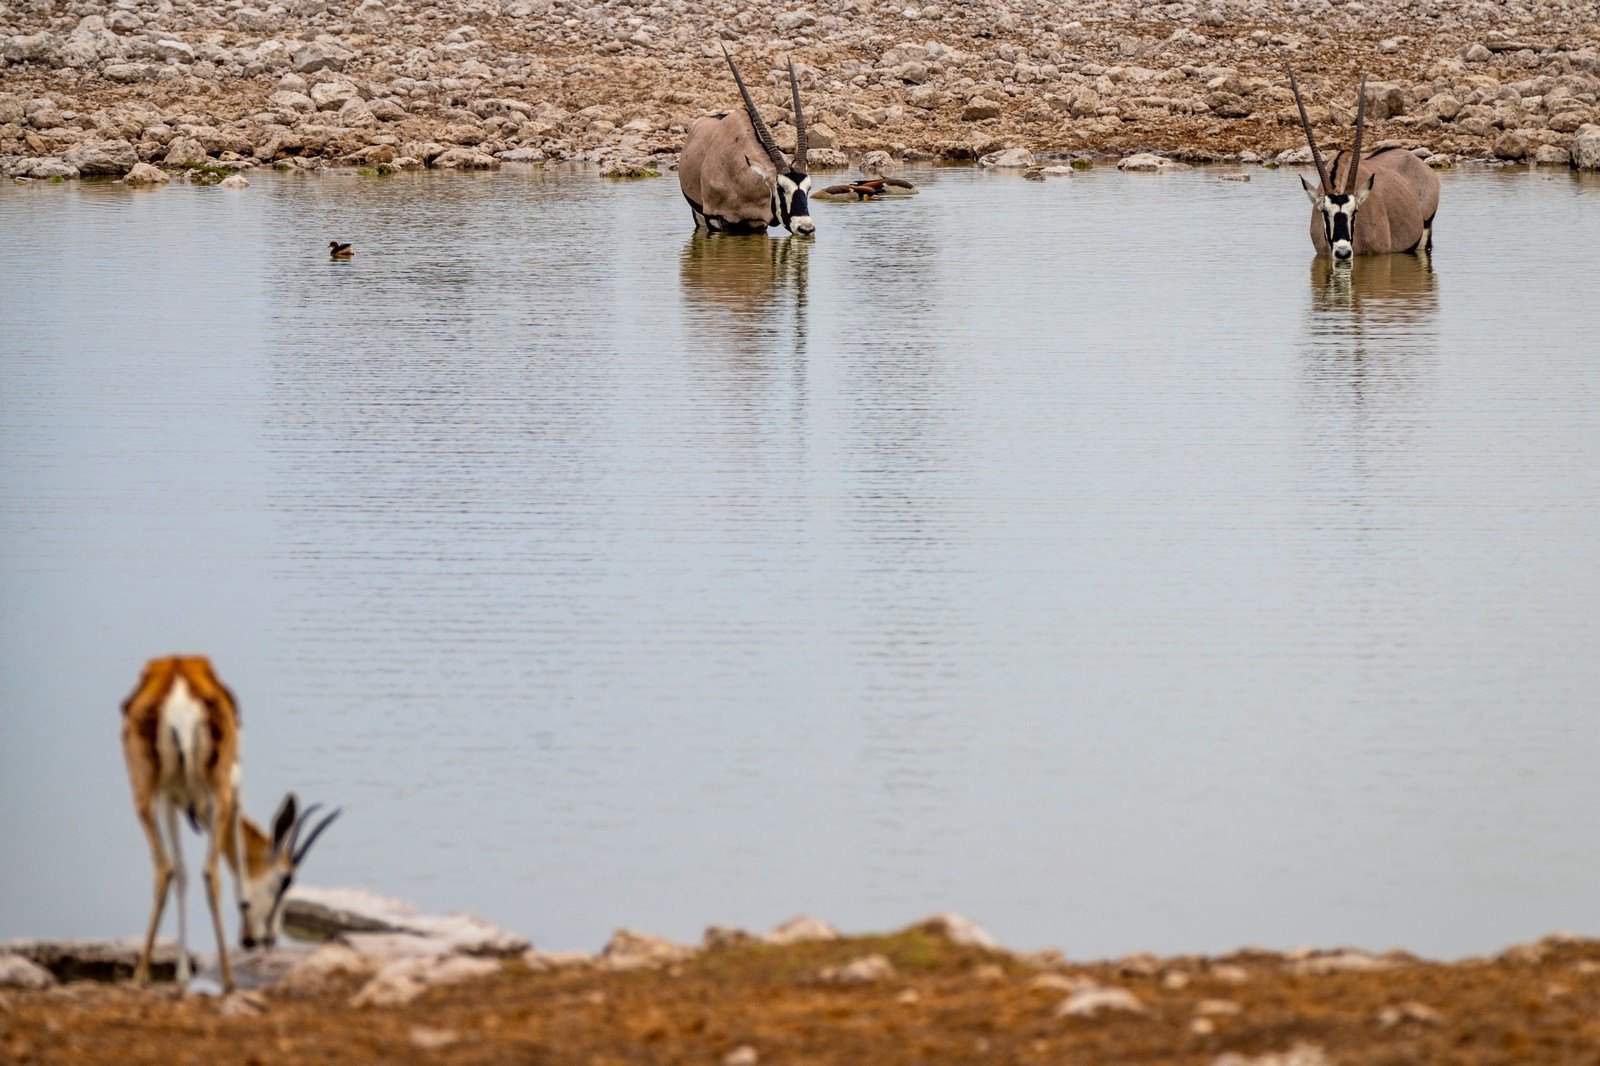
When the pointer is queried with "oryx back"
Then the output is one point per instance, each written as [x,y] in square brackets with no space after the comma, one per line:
[715,173]
[1398,214]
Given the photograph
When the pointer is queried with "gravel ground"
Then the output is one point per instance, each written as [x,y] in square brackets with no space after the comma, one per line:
[91,88]
[908,998]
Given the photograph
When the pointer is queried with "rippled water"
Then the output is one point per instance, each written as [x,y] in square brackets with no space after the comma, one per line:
[1080,556]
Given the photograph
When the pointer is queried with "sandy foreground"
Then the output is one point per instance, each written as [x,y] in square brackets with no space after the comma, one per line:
[93,87]
[913,997]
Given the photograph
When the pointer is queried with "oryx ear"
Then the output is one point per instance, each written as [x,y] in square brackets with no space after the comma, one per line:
[283,822]
[1364,193]
[757,171]
[1313,193]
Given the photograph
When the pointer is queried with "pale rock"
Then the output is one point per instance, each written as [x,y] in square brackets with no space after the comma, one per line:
[878,163]
[127,73]
[427,1039]
[953,927]
[332,95]
[1091,1001]
[1299,1055]
[1475,53]
[1230,973]
[96,960]
[801,930]
[1420,1013]
[286,100]
[980,110]
[186,151]
[868,969]
[1385,99]
[743,1055]
[124,22]
[1340,962]
[48,167]
[463,159]
[327,963]
[403,980]
[331,911]
[1007,158]
[1550,155]
[46,116]
[520,155]
[1061,982]
[234,181]
[1148,162]
[629,950]
[34,48]
[1445,106]
[19,972]
[1512,144]
[78,53]
[370,11]
[1585,148]
[355,114]
[1211,1008]
[103,157]
[168,49]
[826,159]
[145,174]
[252,20]
[314,56]
[241,1005]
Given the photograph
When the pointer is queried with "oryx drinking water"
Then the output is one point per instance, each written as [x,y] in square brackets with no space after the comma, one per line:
[1396,203]
[734,176]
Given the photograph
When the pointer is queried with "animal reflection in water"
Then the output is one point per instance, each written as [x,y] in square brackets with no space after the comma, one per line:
[867,189]
[745,274]
[1398,290]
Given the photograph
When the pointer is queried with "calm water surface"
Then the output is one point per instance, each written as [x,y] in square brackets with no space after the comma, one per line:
[1079,556]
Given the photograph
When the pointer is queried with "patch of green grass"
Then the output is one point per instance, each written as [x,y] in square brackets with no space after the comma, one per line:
[206,173]
[911,952]
[1081,163]
[379,170]
[56,179]
[632,173]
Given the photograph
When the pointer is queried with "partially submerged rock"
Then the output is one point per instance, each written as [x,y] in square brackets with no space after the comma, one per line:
[17,971]
[97,960]
[397,927]
[1149,162]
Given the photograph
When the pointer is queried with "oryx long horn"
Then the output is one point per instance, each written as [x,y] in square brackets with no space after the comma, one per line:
[762,133]
[1316,156]
[1361,125]
[799,120]
[297,851]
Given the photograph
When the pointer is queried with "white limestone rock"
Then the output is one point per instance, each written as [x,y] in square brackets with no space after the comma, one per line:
[1010,157]
[357,914]
[17,971]
[957,930]
[629,950]
[801,929]
[1150,163]
[145,174]
[1092,1001]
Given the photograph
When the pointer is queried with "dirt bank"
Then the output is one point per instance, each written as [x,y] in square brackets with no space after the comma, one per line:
[923,1000]
[95,86]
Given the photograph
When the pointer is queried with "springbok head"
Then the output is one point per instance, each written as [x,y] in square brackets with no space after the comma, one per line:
[1338,208]
[790,182]
[269,866]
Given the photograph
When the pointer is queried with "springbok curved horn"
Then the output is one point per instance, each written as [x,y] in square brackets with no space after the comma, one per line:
[298,853]
[1316,156]
[762,133]
[1361,125]
[799,120]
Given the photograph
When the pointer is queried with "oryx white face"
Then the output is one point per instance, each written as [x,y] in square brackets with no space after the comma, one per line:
[792,207]
[1338,217]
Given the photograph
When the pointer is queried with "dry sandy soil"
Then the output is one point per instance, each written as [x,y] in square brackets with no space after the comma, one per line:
[935,1003]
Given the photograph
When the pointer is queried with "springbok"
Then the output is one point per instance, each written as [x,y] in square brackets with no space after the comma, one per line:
[180,737]
[727,184]
[1397,204]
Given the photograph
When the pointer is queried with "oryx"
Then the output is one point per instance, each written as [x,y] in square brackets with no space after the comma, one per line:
[734,176]
[1397,203]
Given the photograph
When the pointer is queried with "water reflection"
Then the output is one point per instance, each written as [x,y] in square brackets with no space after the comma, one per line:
[1384,290]
[746,283]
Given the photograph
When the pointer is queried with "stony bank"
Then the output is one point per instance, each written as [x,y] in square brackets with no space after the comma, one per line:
[92,87]
[456,990]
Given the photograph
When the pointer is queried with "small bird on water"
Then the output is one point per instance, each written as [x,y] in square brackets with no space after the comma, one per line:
[340,251]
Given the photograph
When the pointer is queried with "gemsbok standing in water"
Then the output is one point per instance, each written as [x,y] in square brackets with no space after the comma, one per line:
[1396,204]
[180,736]
[730,186]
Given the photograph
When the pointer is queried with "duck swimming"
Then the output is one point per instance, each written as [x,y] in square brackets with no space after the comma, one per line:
[340,251]
[867,189]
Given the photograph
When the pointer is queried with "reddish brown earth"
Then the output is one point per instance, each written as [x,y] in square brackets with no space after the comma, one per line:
[1536,1003]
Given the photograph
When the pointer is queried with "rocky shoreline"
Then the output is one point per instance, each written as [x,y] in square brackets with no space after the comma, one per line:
[394,985]
[95,87]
